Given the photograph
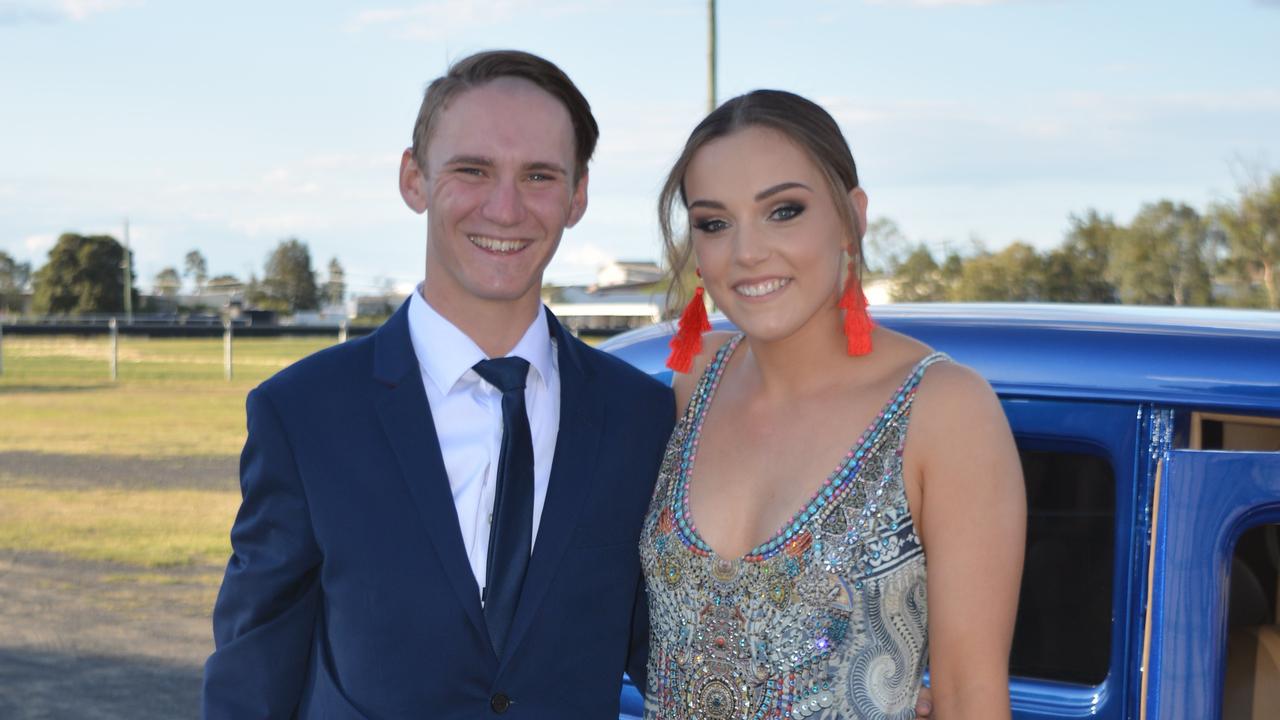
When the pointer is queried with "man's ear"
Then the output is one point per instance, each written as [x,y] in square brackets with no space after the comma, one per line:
[578,203]
[413,184]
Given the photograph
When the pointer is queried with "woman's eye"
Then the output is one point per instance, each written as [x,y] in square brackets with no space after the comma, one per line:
[710,226]
[786,212]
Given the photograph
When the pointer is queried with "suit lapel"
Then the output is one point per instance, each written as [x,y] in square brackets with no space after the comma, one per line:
[572,472]
[406,419]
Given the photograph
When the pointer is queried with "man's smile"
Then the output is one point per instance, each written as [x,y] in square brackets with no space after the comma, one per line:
[499,245]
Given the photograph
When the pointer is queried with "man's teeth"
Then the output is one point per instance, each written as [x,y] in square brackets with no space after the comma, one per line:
[496,244]
[763,288]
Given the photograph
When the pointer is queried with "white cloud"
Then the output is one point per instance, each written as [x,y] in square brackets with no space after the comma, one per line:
[38,245]
[51,11]
[278,224]
[578,261]
[379,162]
[939,3]
[1052,117]
[438,19]
[82,9]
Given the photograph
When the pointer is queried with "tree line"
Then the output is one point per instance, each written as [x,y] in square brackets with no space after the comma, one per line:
[86,274]
[1170,254]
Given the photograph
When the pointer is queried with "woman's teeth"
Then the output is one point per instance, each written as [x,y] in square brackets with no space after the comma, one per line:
[761,288]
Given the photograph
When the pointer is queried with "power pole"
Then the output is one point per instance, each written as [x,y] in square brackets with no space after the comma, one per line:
[711,55]
[127,265]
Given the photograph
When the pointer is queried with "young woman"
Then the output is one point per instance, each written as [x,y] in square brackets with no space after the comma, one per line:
[820,459]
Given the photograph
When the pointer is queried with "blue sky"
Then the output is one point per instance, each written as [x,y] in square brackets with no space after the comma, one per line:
[228,126]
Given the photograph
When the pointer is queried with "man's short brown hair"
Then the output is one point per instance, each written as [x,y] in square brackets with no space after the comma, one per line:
[482,67]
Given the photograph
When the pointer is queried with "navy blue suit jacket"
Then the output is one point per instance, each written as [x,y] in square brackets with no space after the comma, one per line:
[349,594]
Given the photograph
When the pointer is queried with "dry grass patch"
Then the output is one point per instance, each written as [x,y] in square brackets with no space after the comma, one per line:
[147,528]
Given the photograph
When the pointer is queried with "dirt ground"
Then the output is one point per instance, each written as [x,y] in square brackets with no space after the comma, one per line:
[95,641]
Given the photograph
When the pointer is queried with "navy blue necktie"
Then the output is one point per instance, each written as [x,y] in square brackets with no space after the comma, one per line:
[511,530]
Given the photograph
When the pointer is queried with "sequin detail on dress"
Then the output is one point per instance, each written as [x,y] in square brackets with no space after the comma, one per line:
[826,620]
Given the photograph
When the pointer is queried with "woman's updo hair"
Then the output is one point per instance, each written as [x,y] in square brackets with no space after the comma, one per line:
[800,120]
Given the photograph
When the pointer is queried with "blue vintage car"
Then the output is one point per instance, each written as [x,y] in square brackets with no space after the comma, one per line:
[1150,442]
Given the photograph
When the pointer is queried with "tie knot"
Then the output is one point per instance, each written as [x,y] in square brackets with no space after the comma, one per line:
[506,374]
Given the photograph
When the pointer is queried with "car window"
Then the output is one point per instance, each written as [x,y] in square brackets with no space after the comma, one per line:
[1063,629]
[1251,682]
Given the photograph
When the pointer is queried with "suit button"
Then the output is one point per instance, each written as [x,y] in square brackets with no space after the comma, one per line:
[500,702]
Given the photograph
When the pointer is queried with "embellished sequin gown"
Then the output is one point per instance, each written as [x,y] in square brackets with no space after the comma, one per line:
[825,620]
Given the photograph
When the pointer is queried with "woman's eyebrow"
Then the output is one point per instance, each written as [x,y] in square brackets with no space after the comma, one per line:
[779,188]
[713,204]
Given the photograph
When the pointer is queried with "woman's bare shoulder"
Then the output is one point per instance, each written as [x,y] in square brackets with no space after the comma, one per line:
[958,424]
[684,383]
[949,387]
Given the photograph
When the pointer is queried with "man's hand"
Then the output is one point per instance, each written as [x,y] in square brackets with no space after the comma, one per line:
[924,703]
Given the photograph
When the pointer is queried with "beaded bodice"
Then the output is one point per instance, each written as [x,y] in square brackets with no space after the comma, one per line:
[827,619]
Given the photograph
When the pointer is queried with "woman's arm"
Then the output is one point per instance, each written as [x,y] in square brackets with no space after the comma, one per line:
[972,519]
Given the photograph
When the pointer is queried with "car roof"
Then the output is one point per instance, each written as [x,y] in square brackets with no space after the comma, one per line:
[1204,358]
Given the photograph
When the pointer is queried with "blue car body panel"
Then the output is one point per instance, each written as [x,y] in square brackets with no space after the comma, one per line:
[1118,382]
[1209,359]
[1206,500]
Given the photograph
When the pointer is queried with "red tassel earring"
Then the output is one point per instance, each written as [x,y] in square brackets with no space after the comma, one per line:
[857,323]
[687,342]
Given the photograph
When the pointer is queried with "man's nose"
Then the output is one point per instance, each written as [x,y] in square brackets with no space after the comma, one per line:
[504,205]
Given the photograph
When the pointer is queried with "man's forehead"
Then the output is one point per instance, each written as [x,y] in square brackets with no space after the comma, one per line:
[491,98]
[502,117]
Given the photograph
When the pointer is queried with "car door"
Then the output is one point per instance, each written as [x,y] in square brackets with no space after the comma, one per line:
[1204,502]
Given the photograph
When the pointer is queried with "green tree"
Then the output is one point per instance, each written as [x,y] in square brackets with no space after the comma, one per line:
[254,295]
[1252,233]
[1163,257]
[14,277]
[197,268]
[950,272]
[289,283]
[335,288]
[883,246]
[168,282]
[1016,273]
[1076,271]
[918,278]
[84,274]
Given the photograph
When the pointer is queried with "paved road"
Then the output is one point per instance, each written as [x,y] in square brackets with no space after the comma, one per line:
[84,471]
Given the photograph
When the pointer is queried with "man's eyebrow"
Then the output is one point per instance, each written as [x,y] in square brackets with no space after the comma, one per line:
[779,188]
[481,161]
[543,165]
[469,160]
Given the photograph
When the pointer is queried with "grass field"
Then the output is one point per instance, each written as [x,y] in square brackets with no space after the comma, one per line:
[171,400]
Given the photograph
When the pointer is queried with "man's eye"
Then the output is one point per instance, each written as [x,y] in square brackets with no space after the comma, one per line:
[541,177]
[786,212]
[713,225]
[469,171]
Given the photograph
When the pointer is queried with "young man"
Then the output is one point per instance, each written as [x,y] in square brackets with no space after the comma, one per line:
[432,527]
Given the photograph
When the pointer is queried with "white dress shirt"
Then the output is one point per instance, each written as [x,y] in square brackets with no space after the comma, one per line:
[468,417]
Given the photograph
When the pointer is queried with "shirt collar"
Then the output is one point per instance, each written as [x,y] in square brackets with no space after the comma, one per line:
[445,353]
